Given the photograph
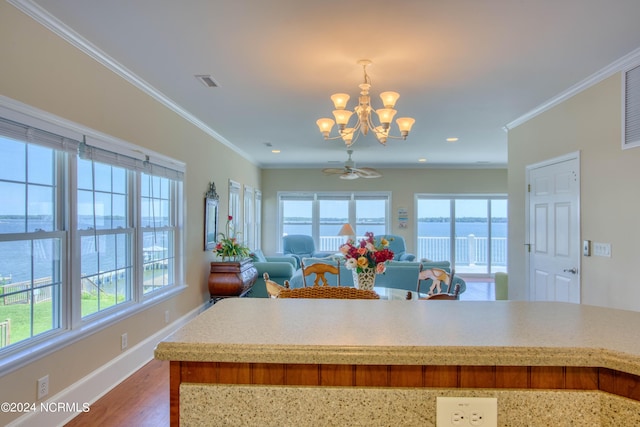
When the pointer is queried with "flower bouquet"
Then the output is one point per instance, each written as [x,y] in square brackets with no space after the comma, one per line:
[366,259]
[228,247]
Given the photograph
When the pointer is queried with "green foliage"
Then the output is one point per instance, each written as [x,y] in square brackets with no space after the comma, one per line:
[20,314]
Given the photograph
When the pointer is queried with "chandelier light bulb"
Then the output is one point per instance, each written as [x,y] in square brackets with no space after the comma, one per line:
[386,116]
[405,124]
[325,125]
[389,99]
[347,136]
[342,117]
[340,100]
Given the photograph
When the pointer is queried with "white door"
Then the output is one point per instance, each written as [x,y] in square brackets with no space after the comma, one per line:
[554,230]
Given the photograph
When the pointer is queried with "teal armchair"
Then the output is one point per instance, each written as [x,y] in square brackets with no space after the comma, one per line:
[398,246]
[301,246]
[279,268]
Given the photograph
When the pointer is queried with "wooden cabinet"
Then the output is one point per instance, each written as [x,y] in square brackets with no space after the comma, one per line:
[231,279]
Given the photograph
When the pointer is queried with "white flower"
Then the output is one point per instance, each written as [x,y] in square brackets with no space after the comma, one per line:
[351,263]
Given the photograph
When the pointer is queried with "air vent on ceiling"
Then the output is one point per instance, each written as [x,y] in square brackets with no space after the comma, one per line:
[206,80]
[631,127]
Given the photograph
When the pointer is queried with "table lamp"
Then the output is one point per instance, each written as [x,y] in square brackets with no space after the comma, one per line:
[347,230]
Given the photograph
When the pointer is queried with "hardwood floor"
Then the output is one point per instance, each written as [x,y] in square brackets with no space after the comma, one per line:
[143,398]
[140,400]
[479,289]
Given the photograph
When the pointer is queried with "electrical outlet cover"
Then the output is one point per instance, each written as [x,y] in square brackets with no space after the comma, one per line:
[466,411]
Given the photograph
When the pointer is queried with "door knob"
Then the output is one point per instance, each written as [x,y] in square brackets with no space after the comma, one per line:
[571,270]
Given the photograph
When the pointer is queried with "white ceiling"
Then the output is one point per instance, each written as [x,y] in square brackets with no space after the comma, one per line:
[464,68]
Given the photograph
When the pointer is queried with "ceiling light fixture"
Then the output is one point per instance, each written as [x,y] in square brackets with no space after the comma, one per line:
[363,111]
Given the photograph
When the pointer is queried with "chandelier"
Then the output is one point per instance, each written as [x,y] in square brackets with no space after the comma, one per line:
[363,110]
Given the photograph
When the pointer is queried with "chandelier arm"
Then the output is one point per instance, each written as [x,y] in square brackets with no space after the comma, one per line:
[396,137]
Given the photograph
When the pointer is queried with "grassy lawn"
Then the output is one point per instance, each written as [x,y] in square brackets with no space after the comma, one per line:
[20,315]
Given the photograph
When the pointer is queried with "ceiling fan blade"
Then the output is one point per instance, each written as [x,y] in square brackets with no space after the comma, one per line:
[368,173]
[333,170]
[349,175]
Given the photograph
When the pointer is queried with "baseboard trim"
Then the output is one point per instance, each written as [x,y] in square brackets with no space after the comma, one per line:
[99,382]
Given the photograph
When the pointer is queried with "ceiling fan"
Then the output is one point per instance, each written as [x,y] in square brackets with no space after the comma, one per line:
[349,171]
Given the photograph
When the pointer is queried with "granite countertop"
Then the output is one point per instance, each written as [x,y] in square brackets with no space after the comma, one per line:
[398,332]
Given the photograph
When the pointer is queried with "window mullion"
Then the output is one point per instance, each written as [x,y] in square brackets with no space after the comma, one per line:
[135,213]
[73,250]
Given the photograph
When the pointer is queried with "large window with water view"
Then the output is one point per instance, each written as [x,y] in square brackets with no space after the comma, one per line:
[84,231]
[468,231]
[322,215]
[31,241]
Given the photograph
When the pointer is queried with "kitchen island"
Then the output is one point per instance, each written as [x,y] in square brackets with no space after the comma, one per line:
[296,362]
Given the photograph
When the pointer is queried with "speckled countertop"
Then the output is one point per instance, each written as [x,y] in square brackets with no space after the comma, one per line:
[517,333]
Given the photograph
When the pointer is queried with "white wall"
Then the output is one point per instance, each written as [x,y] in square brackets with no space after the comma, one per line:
[403,183]
[589,122]
[43,71]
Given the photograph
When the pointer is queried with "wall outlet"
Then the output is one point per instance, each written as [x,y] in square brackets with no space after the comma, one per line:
[467,411]
[166,316]
[43,387]
[123,341]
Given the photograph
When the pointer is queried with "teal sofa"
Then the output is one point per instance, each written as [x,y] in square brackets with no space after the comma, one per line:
[399,275]
[279,268]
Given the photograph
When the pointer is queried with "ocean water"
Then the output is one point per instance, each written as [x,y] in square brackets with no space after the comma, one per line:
[425,229]
[18,258]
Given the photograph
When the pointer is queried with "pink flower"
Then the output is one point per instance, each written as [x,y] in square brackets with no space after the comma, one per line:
[380,268]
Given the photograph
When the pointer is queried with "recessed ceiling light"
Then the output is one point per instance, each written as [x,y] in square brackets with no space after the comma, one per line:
[275,151]
[452,139]
[422,160]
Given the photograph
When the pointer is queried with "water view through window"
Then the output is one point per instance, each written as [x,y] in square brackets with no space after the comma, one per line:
[471,233]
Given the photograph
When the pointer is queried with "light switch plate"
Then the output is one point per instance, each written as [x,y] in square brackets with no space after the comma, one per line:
[586,247]
[602,249]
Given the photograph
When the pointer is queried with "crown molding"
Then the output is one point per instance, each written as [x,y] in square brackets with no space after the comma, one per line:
[53,24]
[632,58]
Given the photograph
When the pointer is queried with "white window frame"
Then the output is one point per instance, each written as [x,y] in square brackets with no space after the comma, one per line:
[72,327]
[258,219]
[452,215]
[249,224]
[234,207]
[315,198]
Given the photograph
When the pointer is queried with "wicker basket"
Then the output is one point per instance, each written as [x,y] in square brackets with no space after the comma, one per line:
[332,292]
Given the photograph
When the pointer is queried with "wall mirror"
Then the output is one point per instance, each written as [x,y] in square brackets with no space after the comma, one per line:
[210,217]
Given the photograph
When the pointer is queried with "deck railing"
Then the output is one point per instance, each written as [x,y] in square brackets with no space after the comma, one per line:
[470,250]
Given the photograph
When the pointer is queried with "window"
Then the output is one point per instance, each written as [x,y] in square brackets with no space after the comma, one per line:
[321,215]
[469,231]
[249,232]
[159,228]
[31,238]
[105,236]
[87,230]
[258,219]
[234,206]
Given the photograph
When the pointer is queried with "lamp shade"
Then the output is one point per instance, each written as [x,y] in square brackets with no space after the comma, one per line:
[346,230]
[405,123]
[389,99]
[325,126]
[340,100]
